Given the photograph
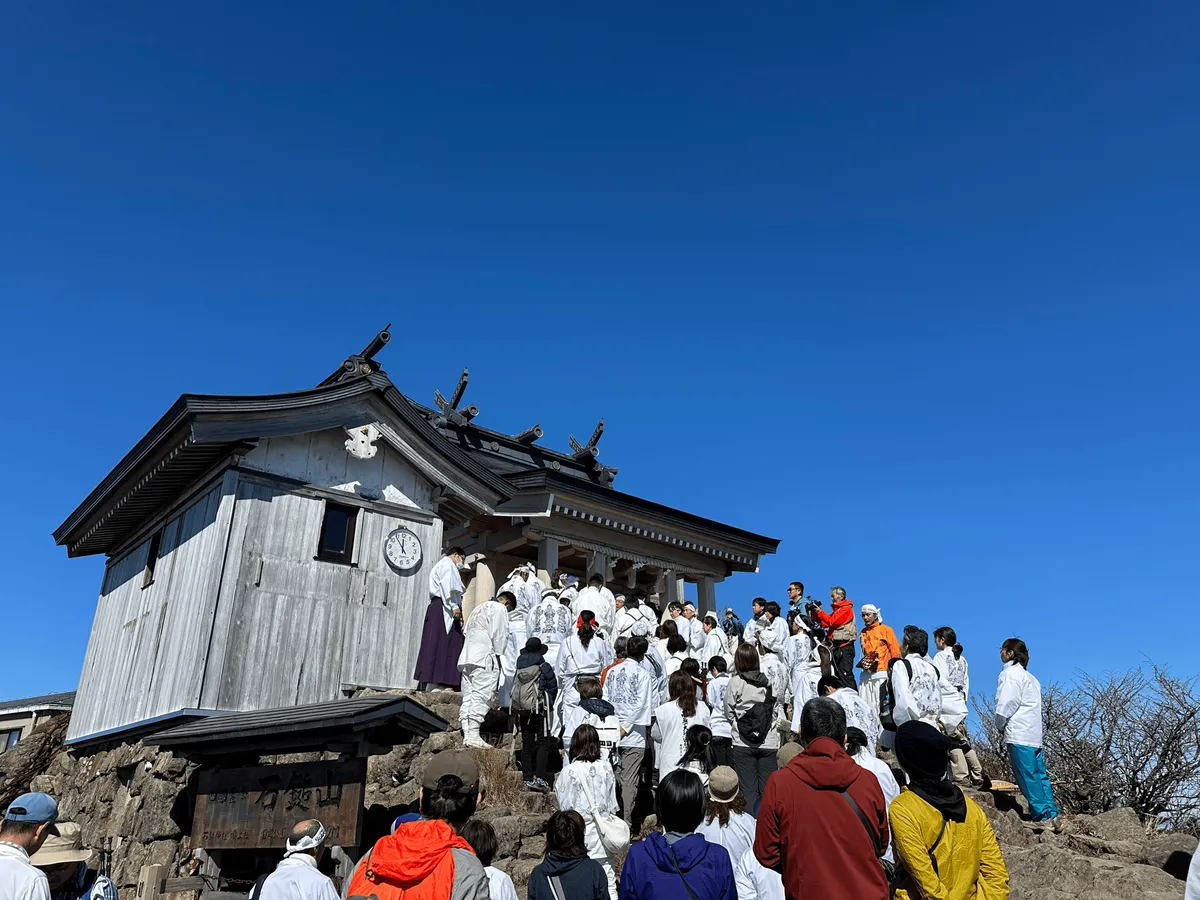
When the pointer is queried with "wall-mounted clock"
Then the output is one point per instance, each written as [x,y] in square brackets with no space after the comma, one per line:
[402,549]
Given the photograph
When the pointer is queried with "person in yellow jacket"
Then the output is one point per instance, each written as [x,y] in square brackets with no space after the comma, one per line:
[943,838]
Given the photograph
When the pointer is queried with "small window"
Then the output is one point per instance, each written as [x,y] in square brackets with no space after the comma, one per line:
[9,738]
[337,533]
[152,559]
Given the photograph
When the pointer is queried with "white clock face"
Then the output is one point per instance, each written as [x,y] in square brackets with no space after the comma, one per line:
[403,550]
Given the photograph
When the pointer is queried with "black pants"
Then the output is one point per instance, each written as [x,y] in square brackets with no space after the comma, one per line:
[719,751]
[535,749]
[843,665]
[754,766]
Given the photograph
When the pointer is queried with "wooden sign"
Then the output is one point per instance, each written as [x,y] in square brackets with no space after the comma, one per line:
[256,807]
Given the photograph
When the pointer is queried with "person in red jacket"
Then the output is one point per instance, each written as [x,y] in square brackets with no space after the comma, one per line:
[808,831]
[842,633]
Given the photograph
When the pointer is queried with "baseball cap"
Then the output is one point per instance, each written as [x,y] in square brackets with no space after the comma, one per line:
[459,763]
[35,807]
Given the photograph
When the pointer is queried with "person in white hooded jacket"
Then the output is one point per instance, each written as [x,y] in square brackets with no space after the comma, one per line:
[484,640]
[714,641]
[918,688]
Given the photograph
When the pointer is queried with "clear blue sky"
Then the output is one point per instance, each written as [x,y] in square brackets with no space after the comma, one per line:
[912,287]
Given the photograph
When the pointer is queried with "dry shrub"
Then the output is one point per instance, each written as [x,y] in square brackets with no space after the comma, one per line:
[1126,739]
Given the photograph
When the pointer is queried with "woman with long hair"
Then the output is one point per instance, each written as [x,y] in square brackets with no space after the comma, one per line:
[698,758]
[583,654]
[672,721]
[1019,721]
[727,822]
[567,862]
[588,779]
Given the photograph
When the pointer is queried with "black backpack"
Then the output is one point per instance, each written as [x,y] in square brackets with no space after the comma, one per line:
[887,696]
[755,724]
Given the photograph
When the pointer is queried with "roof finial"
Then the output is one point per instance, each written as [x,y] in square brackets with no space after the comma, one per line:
[450,413]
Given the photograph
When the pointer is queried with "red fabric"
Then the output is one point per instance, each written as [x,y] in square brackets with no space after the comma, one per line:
[415,863]
[810,834]
[843,614]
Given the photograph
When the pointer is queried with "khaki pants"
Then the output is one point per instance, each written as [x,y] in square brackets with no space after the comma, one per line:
[965,767]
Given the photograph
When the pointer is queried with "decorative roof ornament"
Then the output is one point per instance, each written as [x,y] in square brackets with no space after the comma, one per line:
[450,413]
[589,454]
[529,435]
[358,364]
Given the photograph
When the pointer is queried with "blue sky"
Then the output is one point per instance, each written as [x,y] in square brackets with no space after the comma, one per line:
[911,287]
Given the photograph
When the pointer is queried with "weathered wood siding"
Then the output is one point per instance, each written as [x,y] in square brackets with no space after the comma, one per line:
[145,656]
[320,458]
[292,629]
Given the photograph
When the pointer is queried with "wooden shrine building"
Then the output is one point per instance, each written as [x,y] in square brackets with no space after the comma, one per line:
[245,543]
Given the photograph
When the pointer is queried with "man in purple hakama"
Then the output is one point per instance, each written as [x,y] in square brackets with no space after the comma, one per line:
[441,638]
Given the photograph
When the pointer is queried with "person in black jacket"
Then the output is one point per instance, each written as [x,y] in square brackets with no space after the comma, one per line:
[566,871]
[536,745]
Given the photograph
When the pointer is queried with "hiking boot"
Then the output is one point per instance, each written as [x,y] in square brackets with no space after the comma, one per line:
[537,785]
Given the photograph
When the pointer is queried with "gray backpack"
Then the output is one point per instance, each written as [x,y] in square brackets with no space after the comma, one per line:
[526,693]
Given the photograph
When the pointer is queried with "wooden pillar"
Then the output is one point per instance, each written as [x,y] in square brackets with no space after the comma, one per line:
[597,562]
[706,595]
[547,559]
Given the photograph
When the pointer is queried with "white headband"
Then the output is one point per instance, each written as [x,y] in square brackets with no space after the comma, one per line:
[871,608]
[308,842]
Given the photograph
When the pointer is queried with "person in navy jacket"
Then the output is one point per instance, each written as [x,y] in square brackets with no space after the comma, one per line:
[676,863]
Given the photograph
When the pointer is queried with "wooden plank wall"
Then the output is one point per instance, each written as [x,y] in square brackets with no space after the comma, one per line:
[320,458]
[299,627]
[144,656]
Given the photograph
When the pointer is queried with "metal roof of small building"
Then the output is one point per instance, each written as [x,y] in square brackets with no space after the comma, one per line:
[379,718]
[63,701]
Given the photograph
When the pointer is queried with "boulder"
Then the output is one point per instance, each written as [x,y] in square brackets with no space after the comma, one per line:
[1115,825]
[508,836]
[1170,852]
[533,847]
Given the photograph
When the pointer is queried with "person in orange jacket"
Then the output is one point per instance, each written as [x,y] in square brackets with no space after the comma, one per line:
[879,648]
[842,633]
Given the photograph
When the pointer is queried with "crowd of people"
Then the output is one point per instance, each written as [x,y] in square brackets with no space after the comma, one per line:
[772,770]
[802,748]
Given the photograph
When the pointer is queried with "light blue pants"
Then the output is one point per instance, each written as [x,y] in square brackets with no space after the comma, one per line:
[1029,770]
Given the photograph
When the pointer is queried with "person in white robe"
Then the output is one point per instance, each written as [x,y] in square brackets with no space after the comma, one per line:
[714,641]
[568,590]
[695,632]
[601,602]
[778,623]
[866,759]
[770,664]
[582,653]
[917,694]
[672,721]
[441,635]
[858,714]
[296,877]
[523,584]
[517,634]
[634,619]
[584,785]
[484,641]
[631,690]
[758,607]
[806,673]
[754,881]
[551,623]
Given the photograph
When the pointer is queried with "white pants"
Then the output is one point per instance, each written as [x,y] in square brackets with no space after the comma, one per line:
[478,688]
[596,851]
[869,687]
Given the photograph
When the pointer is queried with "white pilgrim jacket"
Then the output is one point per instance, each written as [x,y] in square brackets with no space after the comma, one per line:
[297,878]
[631,691]
[527,591]
[670,734]
[485,636]
[603,605]
[549,621]
[446,584]
[1019,702]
